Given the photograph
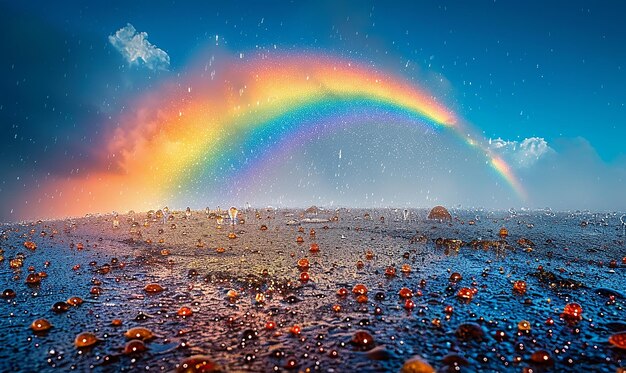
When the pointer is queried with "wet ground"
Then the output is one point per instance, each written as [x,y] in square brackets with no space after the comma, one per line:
[250,308]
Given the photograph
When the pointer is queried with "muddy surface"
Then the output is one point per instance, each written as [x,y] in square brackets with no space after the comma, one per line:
[251,308]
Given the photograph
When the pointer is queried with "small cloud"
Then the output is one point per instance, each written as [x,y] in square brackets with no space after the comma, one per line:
[134,46]
[521,154]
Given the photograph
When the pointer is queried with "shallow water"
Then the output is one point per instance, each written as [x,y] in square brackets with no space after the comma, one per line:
[575,250]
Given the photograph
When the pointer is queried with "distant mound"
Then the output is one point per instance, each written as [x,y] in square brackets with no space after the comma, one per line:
[439,213]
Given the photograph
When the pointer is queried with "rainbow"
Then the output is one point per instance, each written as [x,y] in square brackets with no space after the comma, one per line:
[228,118]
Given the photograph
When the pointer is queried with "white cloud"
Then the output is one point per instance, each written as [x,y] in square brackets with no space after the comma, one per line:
[521,154]
[134,46]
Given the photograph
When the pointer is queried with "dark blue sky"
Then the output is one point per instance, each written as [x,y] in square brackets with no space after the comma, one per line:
[512,69]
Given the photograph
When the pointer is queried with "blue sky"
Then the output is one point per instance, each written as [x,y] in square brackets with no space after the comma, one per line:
[514,70]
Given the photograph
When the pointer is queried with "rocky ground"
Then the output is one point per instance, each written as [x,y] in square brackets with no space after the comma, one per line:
[328,290]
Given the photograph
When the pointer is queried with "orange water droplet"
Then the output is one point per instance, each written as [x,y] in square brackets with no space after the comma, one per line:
[96,290]
[198,364]
[336,308]
[10,293]
[409,304]
[369,255]
[139,333]
[314,248]
[263,227]
[405,293]
[184,311]
[363,340]
[270,325]
[448,309]
[523,326]
[542,357]
[295,330]
[134,347]
[312,232]
[299,239]
[361,298]
[304,277]
[232,235]
[86,339]
[116,322]
[360,264]
[232,294]
[303,264]
[220,250]
[390,271]
[618,340]
[30,245]
[40,325]
[33,279]
[359,289]
[455,277]
[406,268]
[417,365]
[153,288]
[75,301]
[572,312]
[519,287]
[342,292]
[465,294]
[504,233]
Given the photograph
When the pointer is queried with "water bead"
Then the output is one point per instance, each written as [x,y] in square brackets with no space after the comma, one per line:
[232,235]
[134,347]
[342,292]
[75,301]
[409,304]
[360,264]
[405,293]
[116,322]
[232,294]
[314,248]
[33,279]
[519,287]
[312,232]
[259,298]
[30,245]
[270,325]
[542,357]
[95,290]
[448,309]
[369,255]
[572,312]
[60,307]
[390,271]
[336,308]
[184,311]
[86,339]
[465,294]
[303,264]
[455,277]
[503,233]
[417,365]
[439,213]
[359,289]
[220,250]
[299,239]
[363,340]
[139,333]
[198,364]
[40,325]
[362,299]
[295,330]
[153,288]
[618,340]
[406,268]
[304,277]
[523,326]
[263,227]
[8,294]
